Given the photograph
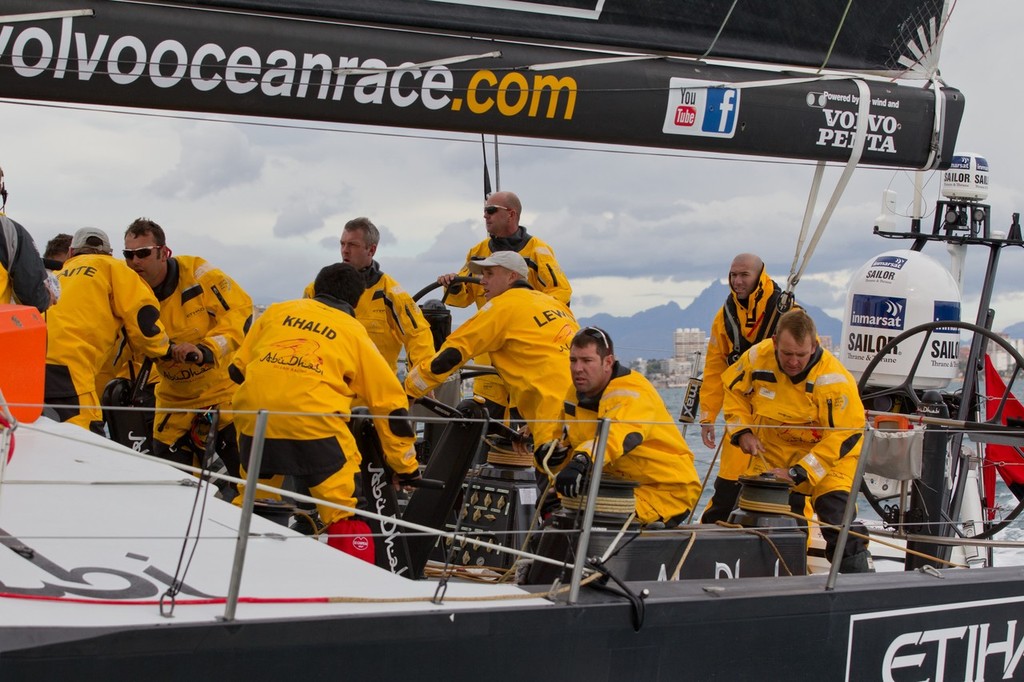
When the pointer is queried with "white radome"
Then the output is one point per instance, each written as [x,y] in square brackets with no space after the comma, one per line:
[891,293]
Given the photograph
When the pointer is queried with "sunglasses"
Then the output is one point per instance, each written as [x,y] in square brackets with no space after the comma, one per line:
[140,253]
[492,209]
[596,334]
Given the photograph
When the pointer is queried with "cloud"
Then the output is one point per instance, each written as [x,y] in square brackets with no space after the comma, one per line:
[632,228]
[212,158]
[305,214]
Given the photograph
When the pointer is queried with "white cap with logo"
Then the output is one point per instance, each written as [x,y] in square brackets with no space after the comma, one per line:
[510,260]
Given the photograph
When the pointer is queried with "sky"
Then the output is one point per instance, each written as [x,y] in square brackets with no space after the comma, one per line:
[633,228]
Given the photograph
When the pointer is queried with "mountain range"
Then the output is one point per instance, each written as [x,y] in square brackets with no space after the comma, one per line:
[648,333]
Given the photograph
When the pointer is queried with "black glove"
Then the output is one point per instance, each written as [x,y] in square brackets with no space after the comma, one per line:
[558,454]
[409,479]
[569,481]
[204,356]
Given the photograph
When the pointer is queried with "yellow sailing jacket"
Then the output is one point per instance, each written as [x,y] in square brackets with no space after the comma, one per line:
[309,356]
[748,326]
[644,444]
[527,334]
[545,274]
[392,319]
[99,296]
[815,420]
[200,305]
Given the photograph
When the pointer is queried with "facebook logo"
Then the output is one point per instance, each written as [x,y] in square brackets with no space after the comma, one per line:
[720,111]
[698,108]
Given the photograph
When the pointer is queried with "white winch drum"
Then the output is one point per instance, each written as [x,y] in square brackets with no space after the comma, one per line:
[966,179]
[891,293]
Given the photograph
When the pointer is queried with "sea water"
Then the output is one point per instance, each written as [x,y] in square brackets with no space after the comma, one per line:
[705,457]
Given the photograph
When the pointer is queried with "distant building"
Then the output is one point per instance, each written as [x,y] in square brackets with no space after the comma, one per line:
[686,342]
[1001,360]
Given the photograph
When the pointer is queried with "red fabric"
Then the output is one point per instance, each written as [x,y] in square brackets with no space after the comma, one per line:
[352,536]
[6,424]
[1003,458]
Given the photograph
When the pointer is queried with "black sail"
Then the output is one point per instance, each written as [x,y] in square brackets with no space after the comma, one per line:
[217,60]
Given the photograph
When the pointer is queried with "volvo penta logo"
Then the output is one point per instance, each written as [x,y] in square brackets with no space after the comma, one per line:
[884,312]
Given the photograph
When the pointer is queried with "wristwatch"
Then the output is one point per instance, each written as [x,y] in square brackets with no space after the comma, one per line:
[798,474]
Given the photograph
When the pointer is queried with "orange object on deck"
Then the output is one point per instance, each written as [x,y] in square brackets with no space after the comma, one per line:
[22,360]
[892,422]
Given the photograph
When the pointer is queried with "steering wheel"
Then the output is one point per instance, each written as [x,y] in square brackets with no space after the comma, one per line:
[907,399]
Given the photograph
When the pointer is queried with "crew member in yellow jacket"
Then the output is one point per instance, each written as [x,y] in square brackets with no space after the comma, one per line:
[527,335]
[795,410]
[312,356]
[748,317]
[644,443]
[206,314]
[99,296]
[391,317]
[502,212]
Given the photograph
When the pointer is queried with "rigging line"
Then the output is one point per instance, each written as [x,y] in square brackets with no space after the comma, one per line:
[595,61]
[487,173]
[937,128]
[860,136]
[835,37]
[720,29]
[420,65]
[812,200]
[410,136]
[497,166]
[42,16]
[918,64]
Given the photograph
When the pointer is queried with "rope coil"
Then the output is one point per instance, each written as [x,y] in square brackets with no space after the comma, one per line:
[602,505]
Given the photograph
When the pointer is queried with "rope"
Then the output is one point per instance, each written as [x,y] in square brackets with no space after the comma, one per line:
[869,538]
[602,505]
[508,457]
[767,507]
[613,547]
[860,136]
[682,559]
[764,536]
[835,37]
[704,483]
[720,29]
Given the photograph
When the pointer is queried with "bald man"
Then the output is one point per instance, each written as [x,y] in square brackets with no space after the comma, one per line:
[748,317]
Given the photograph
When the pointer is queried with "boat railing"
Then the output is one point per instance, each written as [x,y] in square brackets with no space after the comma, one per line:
[578,567]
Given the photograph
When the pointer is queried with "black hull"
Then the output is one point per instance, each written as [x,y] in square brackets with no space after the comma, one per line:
[760,628]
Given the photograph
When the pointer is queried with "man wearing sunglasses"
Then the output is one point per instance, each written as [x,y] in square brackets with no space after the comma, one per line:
[100,296]
[525,332]
[207,315]
[644,443]
[502,212]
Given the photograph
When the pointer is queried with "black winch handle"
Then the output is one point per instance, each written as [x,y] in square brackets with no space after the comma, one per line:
[431,483]
[434,285]
[449,412]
